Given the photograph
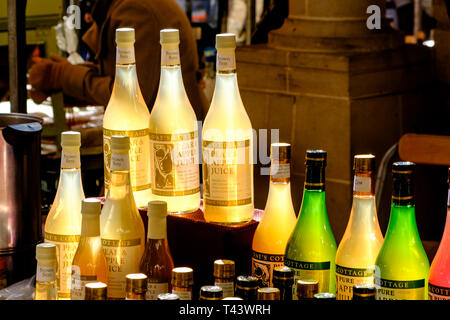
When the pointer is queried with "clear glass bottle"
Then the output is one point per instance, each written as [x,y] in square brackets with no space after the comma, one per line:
[402,267]
[274,229]
[157,262]
[311,250]
[121,227]
[174,135]
[46,272]
[128,115]
[63,223]
[89,263]
[362,240]
[227,145]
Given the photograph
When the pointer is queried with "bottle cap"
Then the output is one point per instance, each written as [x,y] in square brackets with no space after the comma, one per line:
[45,251]
[169,36]
[95,291]
[364,290]
[168,296]
[157,209]
[225,41]
[364,163]
[403,182]
[136,283]
[268,294]
[306,289]
[182,277]
[232,298]
[316,158]
[120,143]
[283,273]
[91,206]
[125,35]
[70,139]
[224,268]
[280,151]
[211,293]
[403,167]
[247,282]
[325,296]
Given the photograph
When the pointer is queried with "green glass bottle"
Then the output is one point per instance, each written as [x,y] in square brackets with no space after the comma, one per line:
[311,249]
[402,266]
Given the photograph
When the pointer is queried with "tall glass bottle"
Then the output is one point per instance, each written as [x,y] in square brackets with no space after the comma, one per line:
[362,240]
[63,224]
[46,272]
[121,227]
[274,229]
[311,249]
[89,263]
[127,115]
[157,261]
[227,145]
[439,281]
[174,135]
[402,267]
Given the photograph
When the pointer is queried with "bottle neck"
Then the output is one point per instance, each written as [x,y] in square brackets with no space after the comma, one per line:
[226,62]
[403,189]
[363,185]
[120,175]
[315,178]
[70,158]
[280,171]
[90,225]
[170,55]
[126,82]
[157,228]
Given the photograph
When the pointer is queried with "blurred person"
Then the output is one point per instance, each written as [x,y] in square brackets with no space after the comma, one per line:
[405,14]
[272,18]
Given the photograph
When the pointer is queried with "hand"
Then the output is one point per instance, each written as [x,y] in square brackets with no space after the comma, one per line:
[46,74]
[38,96]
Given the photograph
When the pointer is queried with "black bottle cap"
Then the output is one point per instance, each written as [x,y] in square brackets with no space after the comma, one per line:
[403,182]
[283,272]
[211,293]
[325,296]
[363,291]
[247,281]
[316,158]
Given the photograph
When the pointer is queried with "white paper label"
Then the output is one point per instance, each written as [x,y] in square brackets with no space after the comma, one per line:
[280,171]
[70,160]
[170,56]
[362,184]
[45,273]
[125,55]
[79,283]
[226,61]
[183,295]
[120,161]
[154,289]
[227,287]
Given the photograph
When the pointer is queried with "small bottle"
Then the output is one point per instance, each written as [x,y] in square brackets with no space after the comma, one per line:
[268,293]
[306,289]
[283,279]
[211,293]
[224,273]
[136,286]
[182,282]
[324,296]
[95,291]
[364,291]
[46,272]
[247,287]
[168,296]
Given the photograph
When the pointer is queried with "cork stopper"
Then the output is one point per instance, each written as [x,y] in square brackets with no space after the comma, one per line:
[70,139]
[182,277]
[280,151]
[225,41]
[45,251]
[125,35]
[91,206]
[95,291]
[211,293]
[157,209]
[169,36]
[364,163]
[120,143]
[136,283]
[306,289]
[268,294]
[224,268]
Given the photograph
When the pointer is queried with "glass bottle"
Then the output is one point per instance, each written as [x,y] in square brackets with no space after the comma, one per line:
[128,115]
[168,296]
[157,261]
[247,287]
[325,296]
[311,250]
[174,135]
[121,226]
[402,267]
[307,289]
[95,291]
[362,240]
[211,293]
[224,273]
[46,288]
[268,293]
[278,220]
[283,279]
[136,286]
[439,281]
[182,282]
[227,145]
[63,223]
[89,263]
[364,291]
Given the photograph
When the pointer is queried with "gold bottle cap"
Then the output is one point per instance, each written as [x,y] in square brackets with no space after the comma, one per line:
[364,163]
[70,139]
[280,151]
[125,35]
[95,291]
[91,206]
[268,294]
[306,289]
[157,209]
[45,251]
[136,283]
[182,277]
[224,268]
[232,298]
[169,36]
[225,41]
[120,143]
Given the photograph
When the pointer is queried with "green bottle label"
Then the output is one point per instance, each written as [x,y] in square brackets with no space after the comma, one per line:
[304,270]
[346,278]
[438,293]
[400,290]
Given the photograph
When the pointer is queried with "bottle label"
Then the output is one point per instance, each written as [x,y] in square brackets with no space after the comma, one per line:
[227,173]
[280,171]
[346,278]
[156,288]
[125,55]
[183,295]
[362,184]
[70,160]
[438,293]
[226,62]
[303,270]
[79,282]
[399,290]
[227,287]
[123,257]
[45,273]
[263,265]
[170,57]
[174,164]
[66,247]
[120,161]
[139,157]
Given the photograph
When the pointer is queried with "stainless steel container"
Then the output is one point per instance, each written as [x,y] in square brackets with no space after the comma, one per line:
[20,193]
